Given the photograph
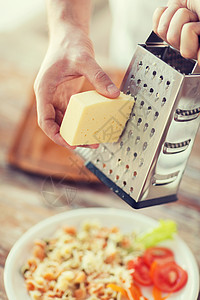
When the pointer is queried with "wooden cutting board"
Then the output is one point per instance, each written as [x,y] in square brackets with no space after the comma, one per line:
[34,152]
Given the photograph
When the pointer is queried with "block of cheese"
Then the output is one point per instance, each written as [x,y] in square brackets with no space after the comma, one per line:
[91,118]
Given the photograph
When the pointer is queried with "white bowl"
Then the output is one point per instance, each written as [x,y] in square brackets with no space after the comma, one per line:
[126,220]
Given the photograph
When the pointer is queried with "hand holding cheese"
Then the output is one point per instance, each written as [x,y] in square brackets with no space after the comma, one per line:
[91,118]
[69,58]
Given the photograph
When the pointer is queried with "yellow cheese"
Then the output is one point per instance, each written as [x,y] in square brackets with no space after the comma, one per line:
[91,118]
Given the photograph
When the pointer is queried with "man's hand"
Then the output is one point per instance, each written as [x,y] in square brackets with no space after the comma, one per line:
[69,58]
[179,25]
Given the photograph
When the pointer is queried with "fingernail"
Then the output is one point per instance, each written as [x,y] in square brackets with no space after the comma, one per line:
[112,89]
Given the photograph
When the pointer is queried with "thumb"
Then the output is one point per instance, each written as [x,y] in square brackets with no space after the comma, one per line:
[99,79]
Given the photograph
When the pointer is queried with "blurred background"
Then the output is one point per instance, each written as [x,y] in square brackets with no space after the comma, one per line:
[38,178]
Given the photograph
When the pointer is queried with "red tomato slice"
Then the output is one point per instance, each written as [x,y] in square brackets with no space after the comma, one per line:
[158,254]
[169,277]
[141,271]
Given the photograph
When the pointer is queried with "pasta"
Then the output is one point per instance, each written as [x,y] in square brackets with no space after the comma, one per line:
[82,263]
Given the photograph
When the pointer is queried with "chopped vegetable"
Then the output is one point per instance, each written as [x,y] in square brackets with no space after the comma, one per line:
[157,267]
[133,293]
[157,294]
[136,292]
[169,277]
[159,254]
[117,289]
[164,231]
[141,271]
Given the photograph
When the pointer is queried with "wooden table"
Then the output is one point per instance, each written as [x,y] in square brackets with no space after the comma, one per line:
[22,201]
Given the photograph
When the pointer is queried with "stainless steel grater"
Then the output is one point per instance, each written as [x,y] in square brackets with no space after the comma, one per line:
[146,165]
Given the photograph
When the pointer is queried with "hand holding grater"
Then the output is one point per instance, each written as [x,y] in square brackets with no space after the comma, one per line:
[146,165]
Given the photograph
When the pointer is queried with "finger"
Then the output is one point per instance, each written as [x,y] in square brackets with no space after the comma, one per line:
[99,79]
[165,21]
[46,121]
[189,45]
[181,17]
[52,130]
[59,116]
[156,17]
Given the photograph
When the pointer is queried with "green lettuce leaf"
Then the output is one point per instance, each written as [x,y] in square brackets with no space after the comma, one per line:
[165,231]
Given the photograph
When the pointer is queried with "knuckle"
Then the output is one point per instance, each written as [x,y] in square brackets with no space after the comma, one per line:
[81,58]
[182,11]
[101,76]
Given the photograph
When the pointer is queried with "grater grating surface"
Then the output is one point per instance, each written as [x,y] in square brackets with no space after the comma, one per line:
[146,165]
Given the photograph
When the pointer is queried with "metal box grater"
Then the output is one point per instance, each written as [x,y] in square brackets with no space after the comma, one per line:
[146,165]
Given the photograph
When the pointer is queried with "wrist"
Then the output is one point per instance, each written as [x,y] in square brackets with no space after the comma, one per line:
[64,14]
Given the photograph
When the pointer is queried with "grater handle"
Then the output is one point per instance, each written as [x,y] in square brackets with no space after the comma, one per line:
[154,39]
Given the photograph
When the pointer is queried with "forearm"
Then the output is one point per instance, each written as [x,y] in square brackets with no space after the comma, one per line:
[67,13]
